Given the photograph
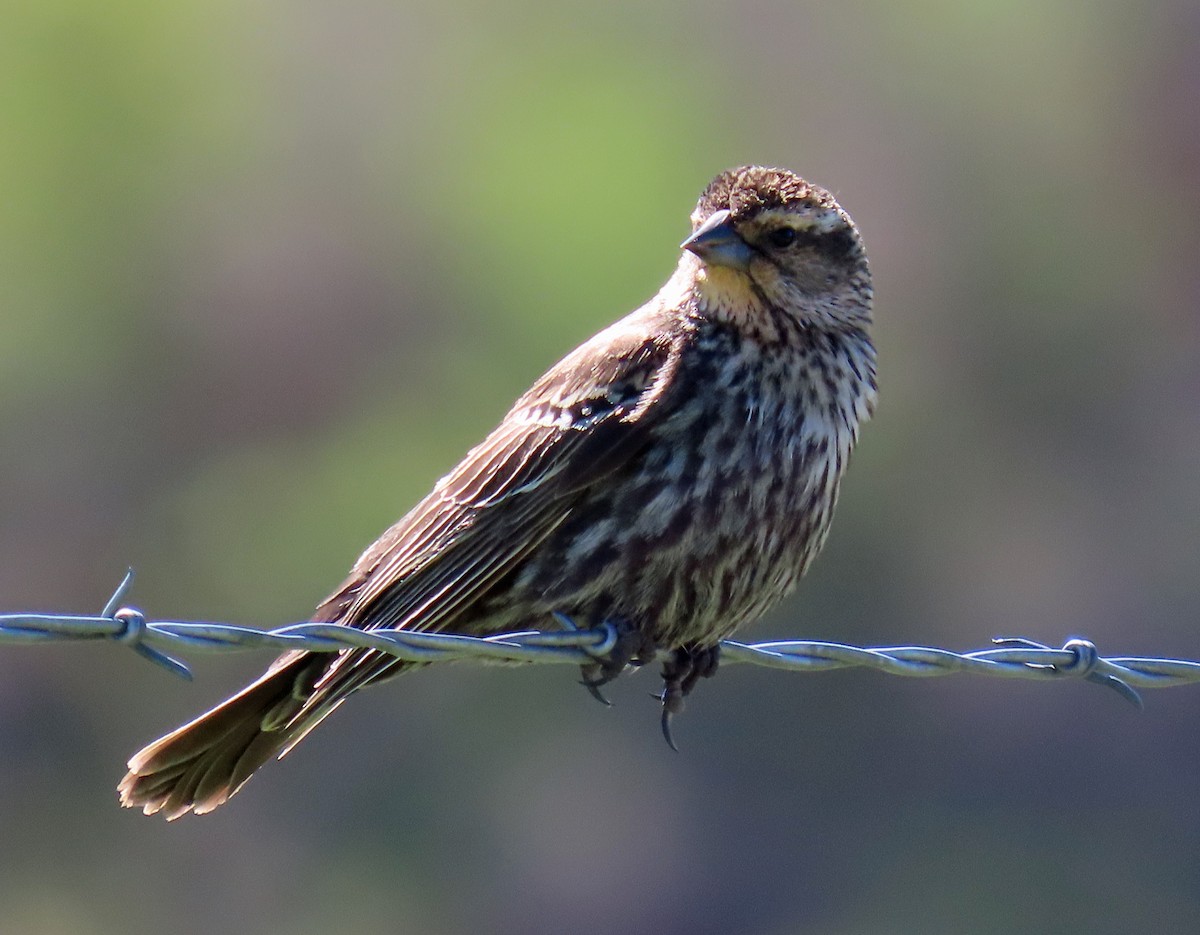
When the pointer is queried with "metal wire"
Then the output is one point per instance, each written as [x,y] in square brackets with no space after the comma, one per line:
[1008,658]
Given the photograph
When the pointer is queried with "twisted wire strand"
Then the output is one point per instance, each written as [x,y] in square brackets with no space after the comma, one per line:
[1008,657]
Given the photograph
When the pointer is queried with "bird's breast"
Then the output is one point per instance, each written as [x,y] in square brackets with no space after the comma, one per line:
[730,500]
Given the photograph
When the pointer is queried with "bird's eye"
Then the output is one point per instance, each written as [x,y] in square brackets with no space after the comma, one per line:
[782,237]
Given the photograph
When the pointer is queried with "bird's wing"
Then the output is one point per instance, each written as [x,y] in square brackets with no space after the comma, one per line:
[581,421]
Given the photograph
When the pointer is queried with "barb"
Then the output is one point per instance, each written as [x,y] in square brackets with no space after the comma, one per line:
[1008,658]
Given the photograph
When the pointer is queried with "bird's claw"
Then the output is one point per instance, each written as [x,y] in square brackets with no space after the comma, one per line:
[671,705]
[631,648]
[593,687]
[680,674]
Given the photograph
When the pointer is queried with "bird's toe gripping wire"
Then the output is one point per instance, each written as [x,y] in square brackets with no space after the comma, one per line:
[629,648]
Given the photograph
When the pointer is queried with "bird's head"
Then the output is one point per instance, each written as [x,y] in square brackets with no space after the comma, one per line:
[765,242]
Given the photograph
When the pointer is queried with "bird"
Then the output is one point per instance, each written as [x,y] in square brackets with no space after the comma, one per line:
[672,478]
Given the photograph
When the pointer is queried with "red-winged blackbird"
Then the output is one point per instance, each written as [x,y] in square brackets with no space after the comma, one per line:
[674,476]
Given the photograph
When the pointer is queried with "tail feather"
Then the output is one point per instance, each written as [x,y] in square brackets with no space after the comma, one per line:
[200,765]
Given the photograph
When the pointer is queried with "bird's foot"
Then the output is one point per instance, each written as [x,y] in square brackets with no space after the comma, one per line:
[680,673]
[632,648]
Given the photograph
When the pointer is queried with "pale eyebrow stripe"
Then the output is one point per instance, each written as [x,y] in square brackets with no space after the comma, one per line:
[822,221]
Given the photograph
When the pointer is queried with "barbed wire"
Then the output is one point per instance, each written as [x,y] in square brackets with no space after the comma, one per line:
[1009,657]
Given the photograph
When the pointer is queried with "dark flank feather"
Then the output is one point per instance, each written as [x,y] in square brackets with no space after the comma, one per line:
[675,475]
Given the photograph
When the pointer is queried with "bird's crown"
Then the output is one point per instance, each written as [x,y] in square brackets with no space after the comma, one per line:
[749,190]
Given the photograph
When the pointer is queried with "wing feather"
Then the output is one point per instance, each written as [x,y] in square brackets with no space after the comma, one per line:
[581,421]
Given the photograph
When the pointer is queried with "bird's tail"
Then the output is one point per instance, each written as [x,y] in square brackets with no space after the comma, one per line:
[200,765]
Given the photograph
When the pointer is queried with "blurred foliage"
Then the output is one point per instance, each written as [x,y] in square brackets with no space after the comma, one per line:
[266,270]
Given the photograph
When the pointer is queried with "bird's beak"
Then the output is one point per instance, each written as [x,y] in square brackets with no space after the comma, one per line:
[718,244]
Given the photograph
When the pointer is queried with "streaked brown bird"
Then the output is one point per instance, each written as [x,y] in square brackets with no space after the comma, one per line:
[674,477]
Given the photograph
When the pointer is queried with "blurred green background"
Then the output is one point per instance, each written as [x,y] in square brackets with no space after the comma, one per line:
[267,270]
